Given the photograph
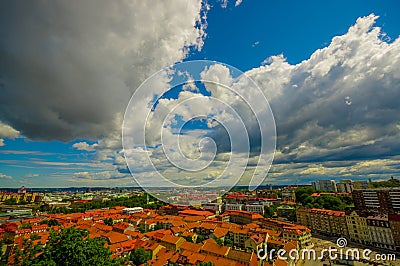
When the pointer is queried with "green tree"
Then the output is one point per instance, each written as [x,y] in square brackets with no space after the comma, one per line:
[200,239]
[139,256]
[27,256]
[35,236]
[3,257]
[66,248]
[302,193]
[142,228]
[209,263]
[158,226]
[219,241]
[73,247]
[109,221]
[25,225]
[11,201]
[51,222]
[188,238]
[269,211]
[228,242]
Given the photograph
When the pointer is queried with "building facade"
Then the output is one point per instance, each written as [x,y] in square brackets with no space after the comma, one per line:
[358,228]
[325,185]
[325,222]
[345,186]
[380,232]
[381,200]
[394,223]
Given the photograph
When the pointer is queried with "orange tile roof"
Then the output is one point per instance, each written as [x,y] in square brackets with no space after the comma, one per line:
[243,231]
[258,238]
[193,258]
[279,262]
[220,232]
[211,240]
[190,246]
[208,226]
[293,244]
[256,216]
[218,261]
[193,218]
[196,213]
[252,225]
[170,239]
[214,248]
[177,230]
[121,226]
[192,225]
[133,234]
[114,237]
[239,255]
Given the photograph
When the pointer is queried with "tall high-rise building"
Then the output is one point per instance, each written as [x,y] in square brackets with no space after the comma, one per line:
[380,200]
[325,185]
[345,186]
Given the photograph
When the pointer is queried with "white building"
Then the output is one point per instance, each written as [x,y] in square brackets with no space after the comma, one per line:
[345,186]
[256,208]
[214,207]
[325,185]
[132,210]
[233,207]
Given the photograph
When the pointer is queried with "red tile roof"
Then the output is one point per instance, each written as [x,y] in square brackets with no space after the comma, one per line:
[170,239]
[190,246]
[214,248]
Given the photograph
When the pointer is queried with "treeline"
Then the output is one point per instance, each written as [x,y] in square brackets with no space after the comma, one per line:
[380,184]
[68,247]
[134,201]
[329,202]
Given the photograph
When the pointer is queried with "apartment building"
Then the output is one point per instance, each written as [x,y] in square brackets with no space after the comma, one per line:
[394,223]
[326,222]
[288,195]
[21,197]
[233,207]
[214,207]
[358,228]
[381,200]
[255,208]
[299,233]
[238,236]
[380,232]
[172,242]
[241,217]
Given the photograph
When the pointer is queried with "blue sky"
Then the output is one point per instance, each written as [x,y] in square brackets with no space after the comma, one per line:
[66,80]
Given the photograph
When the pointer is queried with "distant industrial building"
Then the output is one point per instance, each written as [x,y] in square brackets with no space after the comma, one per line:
[345,186]
[325,185]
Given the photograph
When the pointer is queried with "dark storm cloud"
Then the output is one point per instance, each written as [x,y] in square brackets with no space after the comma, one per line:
[67,69]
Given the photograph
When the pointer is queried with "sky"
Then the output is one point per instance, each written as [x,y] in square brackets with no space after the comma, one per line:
[329,70]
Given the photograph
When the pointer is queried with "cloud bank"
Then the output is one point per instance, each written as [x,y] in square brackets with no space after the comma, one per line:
[67,69]
[336,113]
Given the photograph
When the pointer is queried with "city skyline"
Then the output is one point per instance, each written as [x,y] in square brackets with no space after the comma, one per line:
[330,76]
